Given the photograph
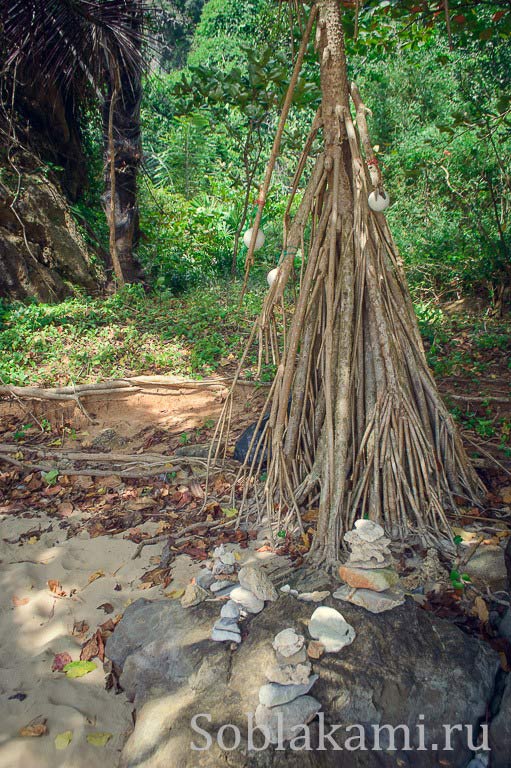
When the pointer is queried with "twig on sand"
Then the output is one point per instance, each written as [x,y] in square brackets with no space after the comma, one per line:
[211,524]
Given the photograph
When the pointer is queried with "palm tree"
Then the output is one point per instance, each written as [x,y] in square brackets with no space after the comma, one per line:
[69,54]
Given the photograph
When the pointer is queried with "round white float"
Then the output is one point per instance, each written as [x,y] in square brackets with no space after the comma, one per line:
[272,276]
[247,237]
[378,202]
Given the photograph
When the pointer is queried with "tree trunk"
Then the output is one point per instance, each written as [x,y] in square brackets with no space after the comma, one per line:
[122,142]
[356,420]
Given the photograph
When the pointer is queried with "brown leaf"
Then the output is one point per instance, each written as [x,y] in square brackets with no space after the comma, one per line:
[481,609]
[80,628]
[56,587]
[94,646]
[107,607]
[65,509]
[60,661]
[36,727]
[94,576]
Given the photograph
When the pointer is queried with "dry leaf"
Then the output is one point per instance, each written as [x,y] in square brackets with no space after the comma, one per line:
[36,727]
[18,601]
[107,607]
[80,628]
[95,575]
[175,594]
[65,509]
[93,647]
[56,587]
[60,660]
[99,739]
[481,609]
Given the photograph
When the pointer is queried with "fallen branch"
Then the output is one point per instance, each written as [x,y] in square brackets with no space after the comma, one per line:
[211,524]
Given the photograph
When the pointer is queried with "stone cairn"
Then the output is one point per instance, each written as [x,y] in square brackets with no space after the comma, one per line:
[370,579]
[284,697]
[247,588]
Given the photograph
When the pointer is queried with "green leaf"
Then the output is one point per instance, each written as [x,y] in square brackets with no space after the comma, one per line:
[230,512]
[99,739]
[50,477]
[281,534]
[62,740]
[458,539]
[79,668]
[466,578]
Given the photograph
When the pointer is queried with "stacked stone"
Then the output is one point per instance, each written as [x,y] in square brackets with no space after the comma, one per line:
[247,591]
[284,698]
[371,580]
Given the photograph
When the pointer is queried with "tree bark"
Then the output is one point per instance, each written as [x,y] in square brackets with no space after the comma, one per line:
[123,152]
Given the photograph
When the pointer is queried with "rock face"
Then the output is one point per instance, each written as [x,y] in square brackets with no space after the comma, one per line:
[56,257]
[402,664]
[500,731]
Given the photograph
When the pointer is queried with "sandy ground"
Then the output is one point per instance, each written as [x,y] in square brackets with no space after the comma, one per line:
[36,625]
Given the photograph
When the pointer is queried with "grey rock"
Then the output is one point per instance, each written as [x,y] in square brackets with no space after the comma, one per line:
[247,600]
[221,584]
[375,602]
[313,597]
[226,623]
[404,663]
[505,625]
[298,712]
[295,674]
[219,567]
[230,610]
[253,578]
[194,594]
[500,731]
[331,629]
[488,566]
[273,694]
[297,658]
[288,642]
[205,578]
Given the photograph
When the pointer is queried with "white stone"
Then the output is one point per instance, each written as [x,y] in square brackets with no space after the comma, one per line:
[378,202]
[369,530]
[287,642]
[273,694]
[253,578]
[331,629]
[247,237]
[247,600]
[272,276]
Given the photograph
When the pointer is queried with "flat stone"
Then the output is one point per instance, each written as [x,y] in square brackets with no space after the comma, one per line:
[247,599]
[291,674]
[253,578]
[329,627]
[376,579]
[194,594]
[298,712]
[313,597]
[220,584]
[230,610]
[375,602]
[287,642]
[315,649]
[274,694]
[297,658]
[230,625]
[222,635]
[205,578]
[369,530]
[226,591]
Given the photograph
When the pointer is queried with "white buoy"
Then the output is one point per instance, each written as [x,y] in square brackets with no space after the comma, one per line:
[378,201]
[272,276]
[247,237]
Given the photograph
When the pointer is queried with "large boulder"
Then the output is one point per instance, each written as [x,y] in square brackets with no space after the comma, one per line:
[405,667]
[500,730]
